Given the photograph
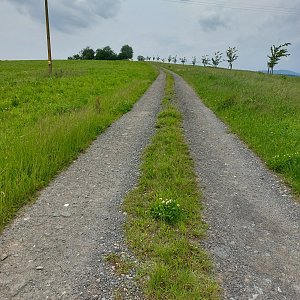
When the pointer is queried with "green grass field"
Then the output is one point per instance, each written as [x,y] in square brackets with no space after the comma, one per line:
[263,110]
[46,121]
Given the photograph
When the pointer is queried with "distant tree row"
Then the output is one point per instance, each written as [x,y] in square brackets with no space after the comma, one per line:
[105,53]
[277,52]
[206,61]
[217,58]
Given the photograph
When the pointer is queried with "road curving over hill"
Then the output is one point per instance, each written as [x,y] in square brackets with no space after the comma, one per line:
[254,222]
[56,248]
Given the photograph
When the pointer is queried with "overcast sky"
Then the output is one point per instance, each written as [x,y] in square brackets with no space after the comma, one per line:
[158,27]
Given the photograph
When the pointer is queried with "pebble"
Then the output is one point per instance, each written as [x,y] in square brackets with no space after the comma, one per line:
[4,256]
[66,214]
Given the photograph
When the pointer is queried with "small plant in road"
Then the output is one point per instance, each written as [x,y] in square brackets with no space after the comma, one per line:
[167,210]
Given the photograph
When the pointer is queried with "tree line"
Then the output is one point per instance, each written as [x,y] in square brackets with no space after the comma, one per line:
[206,61]
[105,53]
[277,52]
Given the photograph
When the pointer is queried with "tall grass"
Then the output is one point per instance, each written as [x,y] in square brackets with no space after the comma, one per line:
[45,122]
[263,110]
[173,265]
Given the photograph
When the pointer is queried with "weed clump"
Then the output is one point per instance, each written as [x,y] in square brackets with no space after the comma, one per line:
[167,210]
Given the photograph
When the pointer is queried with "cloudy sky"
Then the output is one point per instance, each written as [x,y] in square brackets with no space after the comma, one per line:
[158,27]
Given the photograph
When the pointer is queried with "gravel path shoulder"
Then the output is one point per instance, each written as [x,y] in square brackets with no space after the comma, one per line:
[55,249]
[254,234]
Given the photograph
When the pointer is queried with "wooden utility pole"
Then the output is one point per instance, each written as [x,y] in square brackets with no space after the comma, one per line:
[48,37]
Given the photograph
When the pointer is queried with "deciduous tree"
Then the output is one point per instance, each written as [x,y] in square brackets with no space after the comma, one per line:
[205,60]
[183,60]
[194,60]
[87,53]
[106,54]
[277,52]
[217,59]
[140,58]
[231,56]
[126,52]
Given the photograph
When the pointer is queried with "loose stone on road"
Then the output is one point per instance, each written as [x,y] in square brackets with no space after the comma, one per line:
[254,234]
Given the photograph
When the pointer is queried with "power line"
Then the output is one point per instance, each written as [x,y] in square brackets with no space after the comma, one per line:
[238,6]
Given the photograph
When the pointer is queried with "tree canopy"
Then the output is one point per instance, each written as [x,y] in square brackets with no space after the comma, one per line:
[126,52]
[231,56]
[141,58]
[277,52]
[205,60]
[87,53]
[105,53]
[217,59]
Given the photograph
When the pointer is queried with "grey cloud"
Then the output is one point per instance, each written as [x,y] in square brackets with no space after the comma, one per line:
[68,15]
[212,22]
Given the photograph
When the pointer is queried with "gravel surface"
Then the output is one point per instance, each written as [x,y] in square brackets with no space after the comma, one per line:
[254,234]
[56,248]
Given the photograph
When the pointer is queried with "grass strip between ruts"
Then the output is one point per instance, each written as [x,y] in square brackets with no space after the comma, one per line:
[173,265]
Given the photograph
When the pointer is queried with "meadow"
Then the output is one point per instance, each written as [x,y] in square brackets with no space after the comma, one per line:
[264,110]
[45,122]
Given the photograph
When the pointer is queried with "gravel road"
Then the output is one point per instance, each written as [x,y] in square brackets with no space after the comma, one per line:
[56,248]
[254,234]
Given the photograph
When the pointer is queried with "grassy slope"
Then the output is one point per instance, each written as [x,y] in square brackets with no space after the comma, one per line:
[174,266]
[264,110]
[45,122]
